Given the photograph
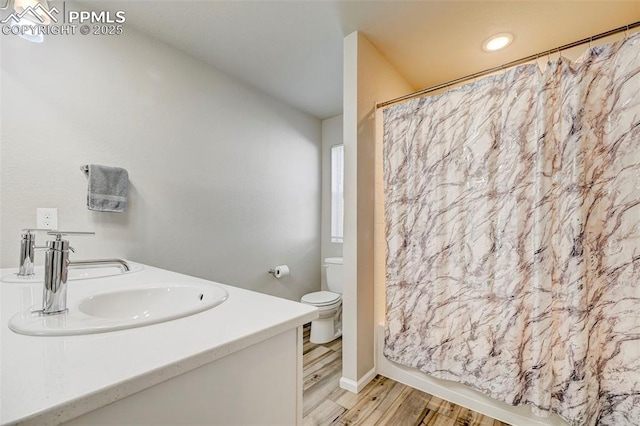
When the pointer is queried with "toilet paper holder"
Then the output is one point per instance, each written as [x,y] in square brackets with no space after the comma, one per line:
[279,271]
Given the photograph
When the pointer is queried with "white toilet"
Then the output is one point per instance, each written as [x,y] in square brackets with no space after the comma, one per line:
[328,326]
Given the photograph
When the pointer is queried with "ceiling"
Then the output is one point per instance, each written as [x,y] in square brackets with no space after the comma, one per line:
[292,49]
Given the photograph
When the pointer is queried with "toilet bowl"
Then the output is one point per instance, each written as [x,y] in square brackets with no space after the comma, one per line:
[328,326]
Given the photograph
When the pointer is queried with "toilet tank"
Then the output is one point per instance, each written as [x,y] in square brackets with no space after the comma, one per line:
[335,274]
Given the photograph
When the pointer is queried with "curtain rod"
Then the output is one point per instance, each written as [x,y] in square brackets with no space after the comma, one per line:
[507,65]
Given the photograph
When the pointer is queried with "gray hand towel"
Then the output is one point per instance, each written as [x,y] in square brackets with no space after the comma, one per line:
[108,188]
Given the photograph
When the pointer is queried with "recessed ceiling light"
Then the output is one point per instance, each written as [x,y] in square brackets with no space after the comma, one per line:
[497,42]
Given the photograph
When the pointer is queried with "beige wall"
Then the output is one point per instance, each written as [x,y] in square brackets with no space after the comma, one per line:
[368,78]
[225,181]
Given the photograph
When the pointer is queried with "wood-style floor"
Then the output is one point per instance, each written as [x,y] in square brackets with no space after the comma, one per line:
[382,402]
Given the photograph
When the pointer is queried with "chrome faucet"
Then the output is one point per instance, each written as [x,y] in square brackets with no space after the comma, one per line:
[56,263]
[27,252]
[56,267]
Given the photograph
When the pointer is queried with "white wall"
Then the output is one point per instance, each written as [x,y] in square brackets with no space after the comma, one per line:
[368,78]
[225,181]
[331,135]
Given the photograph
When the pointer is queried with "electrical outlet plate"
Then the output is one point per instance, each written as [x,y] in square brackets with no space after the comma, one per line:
[47,218]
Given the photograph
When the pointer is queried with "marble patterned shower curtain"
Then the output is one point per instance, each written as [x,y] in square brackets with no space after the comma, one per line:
[513,236]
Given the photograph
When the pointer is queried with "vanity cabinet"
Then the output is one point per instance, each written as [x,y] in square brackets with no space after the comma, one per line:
[237,363]
[258,385]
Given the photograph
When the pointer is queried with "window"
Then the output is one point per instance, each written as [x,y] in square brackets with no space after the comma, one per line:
[337,193]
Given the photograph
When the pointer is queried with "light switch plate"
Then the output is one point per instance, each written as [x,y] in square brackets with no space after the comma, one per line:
[47,218]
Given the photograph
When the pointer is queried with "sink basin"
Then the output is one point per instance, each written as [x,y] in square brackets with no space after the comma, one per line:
[166,302]
[122,309]
[74,274]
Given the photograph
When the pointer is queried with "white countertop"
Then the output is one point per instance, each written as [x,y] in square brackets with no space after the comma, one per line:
[49,380]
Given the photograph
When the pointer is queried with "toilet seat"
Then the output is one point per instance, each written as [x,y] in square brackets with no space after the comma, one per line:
[321,298]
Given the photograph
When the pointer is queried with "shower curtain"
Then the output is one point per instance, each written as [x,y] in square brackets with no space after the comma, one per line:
[512,210]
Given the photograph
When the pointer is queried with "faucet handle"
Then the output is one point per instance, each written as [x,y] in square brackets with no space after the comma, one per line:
[63,245]
[59,234]
[29,230]
[30,238]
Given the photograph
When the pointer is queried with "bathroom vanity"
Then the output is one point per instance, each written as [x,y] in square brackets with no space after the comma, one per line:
[239,362]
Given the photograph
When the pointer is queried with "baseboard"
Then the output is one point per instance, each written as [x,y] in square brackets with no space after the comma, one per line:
[356,387]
